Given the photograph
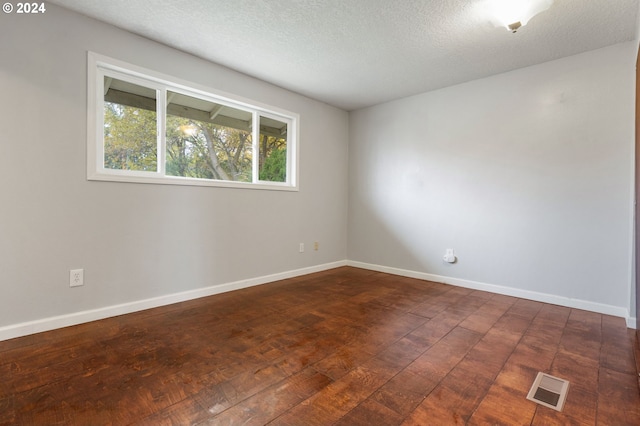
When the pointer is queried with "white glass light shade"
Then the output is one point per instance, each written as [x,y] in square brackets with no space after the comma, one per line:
[507,12]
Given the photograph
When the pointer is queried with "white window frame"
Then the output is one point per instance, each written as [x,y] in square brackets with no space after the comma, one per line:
[99,66]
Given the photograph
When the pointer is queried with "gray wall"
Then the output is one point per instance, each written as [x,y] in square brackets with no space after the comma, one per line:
[527,175]
[139,241]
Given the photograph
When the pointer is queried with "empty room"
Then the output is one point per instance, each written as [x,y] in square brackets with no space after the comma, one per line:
[319,212]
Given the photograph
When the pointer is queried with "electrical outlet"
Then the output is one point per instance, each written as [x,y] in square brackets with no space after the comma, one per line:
[450,256]
[76,277]
[316,246]
[301,248]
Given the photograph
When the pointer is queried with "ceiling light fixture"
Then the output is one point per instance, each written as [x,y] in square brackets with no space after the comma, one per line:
[514,14]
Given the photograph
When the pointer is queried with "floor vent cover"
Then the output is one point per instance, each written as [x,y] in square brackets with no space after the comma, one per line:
[549,391]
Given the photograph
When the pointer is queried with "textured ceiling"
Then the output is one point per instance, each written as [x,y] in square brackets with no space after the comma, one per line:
[356,53]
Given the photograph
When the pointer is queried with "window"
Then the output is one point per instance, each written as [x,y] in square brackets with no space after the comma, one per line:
[149,128]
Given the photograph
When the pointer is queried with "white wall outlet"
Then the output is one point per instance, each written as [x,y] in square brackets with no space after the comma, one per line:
[449,256]
[76,277]
[301,247]
[316,246]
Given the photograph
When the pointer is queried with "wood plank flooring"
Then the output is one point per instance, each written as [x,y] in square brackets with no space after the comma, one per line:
[343,347]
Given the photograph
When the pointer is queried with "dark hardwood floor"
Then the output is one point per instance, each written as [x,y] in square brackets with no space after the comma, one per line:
[345,347]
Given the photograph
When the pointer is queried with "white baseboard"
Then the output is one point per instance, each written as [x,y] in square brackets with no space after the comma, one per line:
[508,291]
[75,318]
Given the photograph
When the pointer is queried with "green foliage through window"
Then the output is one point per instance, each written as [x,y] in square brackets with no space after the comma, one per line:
[207,151]
[273,168]
[130,138]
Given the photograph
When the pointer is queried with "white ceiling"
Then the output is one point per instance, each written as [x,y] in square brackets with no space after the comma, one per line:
[356,53]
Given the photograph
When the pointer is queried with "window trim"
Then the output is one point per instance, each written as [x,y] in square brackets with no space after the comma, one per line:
[99,65]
